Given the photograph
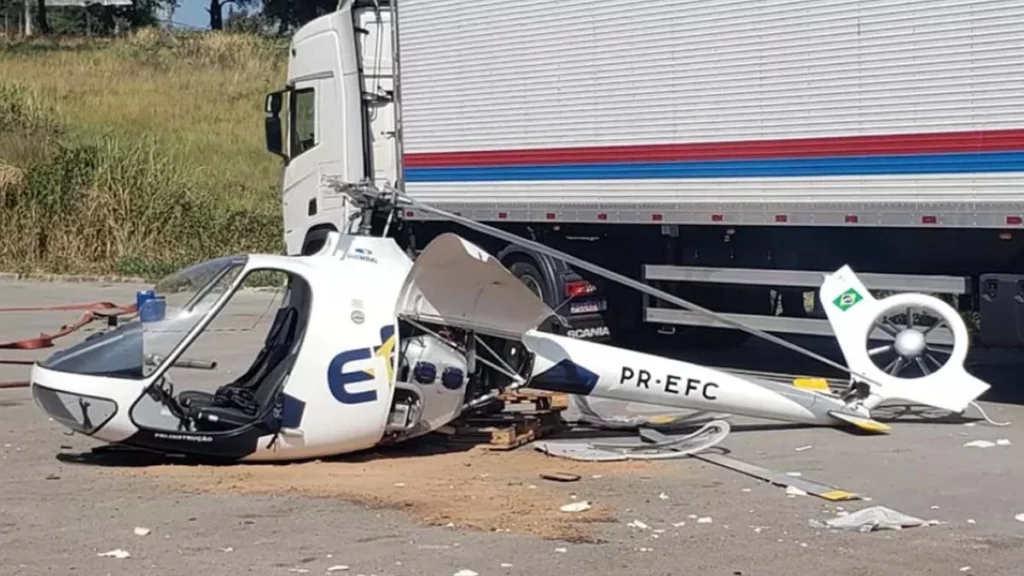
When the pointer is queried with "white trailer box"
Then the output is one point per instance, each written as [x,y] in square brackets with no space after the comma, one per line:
[883,112]
[730,151]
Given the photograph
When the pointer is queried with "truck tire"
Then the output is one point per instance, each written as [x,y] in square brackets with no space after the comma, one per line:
[530,275]
[513,352]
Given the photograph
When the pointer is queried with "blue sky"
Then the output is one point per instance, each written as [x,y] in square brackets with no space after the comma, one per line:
[193,13]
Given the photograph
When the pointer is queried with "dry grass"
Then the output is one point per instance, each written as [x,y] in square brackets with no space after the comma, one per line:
[136,155]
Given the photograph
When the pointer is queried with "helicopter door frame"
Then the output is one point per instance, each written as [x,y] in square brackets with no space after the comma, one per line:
[247,269]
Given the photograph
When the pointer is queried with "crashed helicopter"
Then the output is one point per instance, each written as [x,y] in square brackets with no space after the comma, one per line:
[372,347]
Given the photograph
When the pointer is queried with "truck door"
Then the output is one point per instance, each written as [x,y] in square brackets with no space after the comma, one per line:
[324,128]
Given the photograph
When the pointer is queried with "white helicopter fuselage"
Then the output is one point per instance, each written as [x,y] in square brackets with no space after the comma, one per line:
[348,380]
[337,393]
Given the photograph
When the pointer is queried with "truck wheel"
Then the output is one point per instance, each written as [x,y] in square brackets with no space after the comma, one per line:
[514,353]
[530,275]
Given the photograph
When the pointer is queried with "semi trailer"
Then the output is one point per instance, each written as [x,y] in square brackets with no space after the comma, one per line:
[727,151]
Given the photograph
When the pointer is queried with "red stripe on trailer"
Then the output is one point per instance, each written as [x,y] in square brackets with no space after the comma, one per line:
[717,217]
[851,219]
[781,218]
[602,216]
[1014,220]
[657,217]
[893,144]
[929,220]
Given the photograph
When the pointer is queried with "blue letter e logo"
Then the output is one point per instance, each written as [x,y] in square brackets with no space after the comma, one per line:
[338,379]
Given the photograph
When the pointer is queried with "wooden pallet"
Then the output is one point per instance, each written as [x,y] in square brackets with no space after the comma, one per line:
[540,400]
[505,431]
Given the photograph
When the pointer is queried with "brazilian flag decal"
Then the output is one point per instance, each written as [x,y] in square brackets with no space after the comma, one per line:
[847,299]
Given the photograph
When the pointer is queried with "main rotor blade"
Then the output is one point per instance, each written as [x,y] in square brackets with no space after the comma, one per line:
[624,280]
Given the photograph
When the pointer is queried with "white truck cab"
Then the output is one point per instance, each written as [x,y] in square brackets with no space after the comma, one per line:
[339,105]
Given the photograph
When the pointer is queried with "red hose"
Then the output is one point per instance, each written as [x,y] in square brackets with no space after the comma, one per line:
[93,311]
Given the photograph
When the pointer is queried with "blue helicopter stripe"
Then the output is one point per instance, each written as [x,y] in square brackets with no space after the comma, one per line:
[292,411]
[567,377]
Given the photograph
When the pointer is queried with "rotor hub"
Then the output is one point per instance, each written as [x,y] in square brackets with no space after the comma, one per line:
[910,343]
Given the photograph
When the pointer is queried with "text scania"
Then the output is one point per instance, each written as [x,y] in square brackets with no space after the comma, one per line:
[589,332]
[672,384]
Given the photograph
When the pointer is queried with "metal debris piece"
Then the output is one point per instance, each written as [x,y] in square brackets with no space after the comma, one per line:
[337,568]
[465,572]
[560,476]
[119,554]
[818,489]
[668,447]
[581,506]
[979,444]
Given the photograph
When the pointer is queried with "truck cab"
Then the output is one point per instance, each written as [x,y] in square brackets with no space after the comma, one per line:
[333,121]
[336,122]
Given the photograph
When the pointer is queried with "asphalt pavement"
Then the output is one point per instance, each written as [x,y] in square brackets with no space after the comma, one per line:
[57,517]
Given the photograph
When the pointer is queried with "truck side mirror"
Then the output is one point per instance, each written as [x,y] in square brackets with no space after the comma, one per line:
[272,123]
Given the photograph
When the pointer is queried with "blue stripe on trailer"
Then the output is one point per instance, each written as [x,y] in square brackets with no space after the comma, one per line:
[990,162]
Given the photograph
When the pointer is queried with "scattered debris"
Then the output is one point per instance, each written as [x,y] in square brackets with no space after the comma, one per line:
[704,520]
[808,486]
[399,484]
[802,448]
[597,476]
[871,519]
[1003,442]
[580,506]
[638,524]
[971,521]
[560,476]
[794,491]
[337,568]
[663,496]
[465,572]
[506,565]
[679,524]
[52,477]
[299,570]
[965,568]
[979,444]
[794,474]
[228,549]
[119,554]
[1019,517]
[561,550]
[140,531]
[745,490]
